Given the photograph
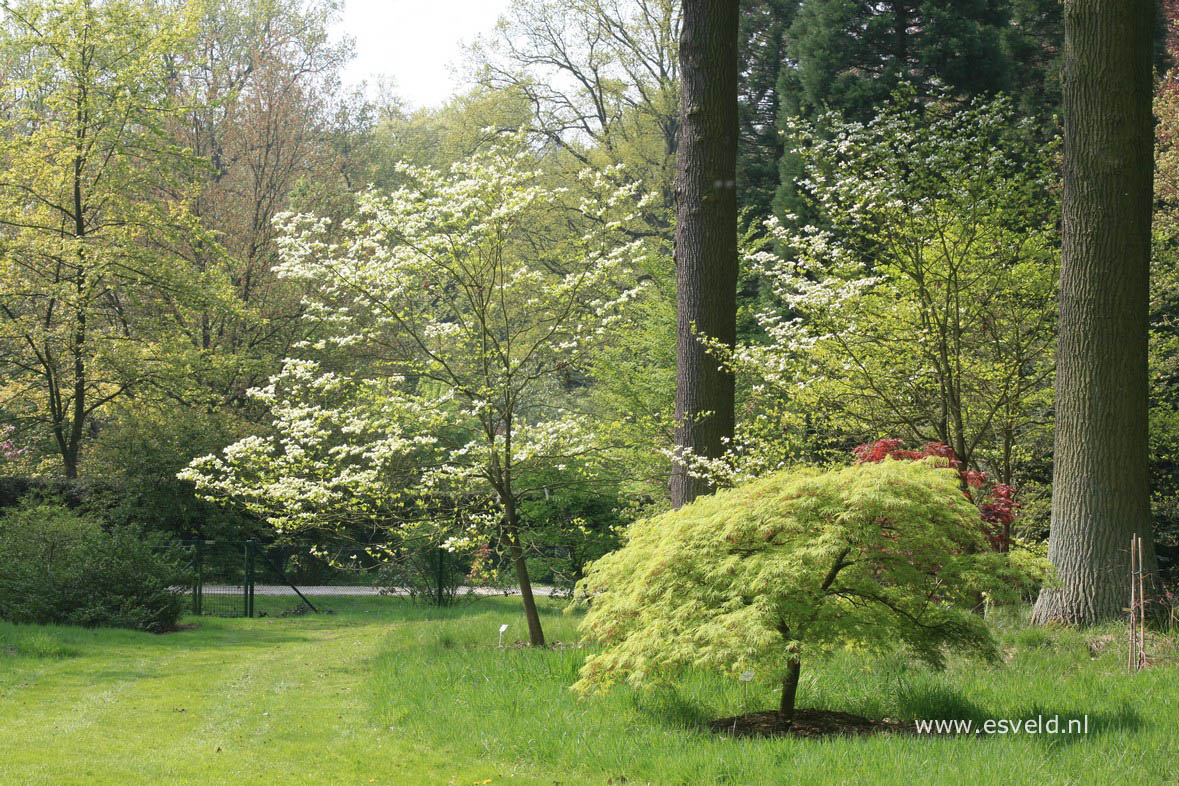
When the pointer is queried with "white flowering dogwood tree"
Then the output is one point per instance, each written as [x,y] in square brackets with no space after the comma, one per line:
[456,316]
[918,298]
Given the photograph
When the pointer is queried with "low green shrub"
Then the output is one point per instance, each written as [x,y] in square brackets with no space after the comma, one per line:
[57,566]
[418,573]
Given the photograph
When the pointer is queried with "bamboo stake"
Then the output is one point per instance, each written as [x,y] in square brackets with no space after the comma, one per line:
[1141,609]
[1130,637]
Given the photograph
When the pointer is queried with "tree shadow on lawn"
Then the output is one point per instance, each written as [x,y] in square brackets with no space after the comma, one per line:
[329,613]
[280,623]
[941,702]
[62,641]
[924,703]
[1088,724]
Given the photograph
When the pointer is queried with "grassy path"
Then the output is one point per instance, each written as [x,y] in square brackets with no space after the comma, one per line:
[383,692]
[268,701]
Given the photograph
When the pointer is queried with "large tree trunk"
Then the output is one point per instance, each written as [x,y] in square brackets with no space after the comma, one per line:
[1100,487]
[706,233]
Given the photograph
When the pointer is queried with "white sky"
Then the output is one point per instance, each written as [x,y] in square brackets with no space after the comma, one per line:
[415,43]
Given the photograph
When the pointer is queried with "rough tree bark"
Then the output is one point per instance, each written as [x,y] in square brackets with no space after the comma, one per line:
[1100,487]
[789,692]
[706,232]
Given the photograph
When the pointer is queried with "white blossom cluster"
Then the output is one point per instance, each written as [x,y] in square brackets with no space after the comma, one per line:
[920,290]
[450,317]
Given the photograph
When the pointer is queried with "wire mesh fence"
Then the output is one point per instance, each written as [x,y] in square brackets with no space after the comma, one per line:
[222,580]
[226,575]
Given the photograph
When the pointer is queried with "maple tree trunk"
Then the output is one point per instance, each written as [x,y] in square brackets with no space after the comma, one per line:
[1100,485]
[706,233]
[789,692]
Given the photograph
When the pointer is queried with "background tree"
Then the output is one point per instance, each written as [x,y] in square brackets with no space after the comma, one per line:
[850,56]
[1100,492]
[442,136]
[601,83]
[1164,313]
[924,306]
[763,51]
[257,92]
[259,103]
[706,235]
[457,297]
[602,80]
[94,197]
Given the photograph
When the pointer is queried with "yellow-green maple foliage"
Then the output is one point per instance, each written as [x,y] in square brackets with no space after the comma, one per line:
[794,566]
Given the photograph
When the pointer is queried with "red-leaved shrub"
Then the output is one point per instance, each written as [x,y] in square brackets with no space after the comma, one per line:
[997,511]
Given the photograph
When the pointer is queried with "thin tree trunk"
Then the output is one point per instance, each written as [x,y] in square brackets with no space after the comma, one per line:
[706,233]
[512,529]
[511,526]
[69,462]
[1100,486]
[73,444]
[789,692]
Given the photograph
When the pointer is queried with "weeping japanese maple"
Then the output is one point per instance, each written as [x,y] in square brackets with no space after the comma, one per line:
[792,567]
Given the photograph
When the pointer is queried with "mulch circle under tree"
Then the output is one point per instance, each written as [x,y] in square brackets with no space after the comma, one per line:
[807,723]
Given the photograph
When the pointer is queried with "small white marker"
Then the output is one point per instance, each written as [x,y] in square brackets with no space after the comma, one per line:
[746,677]
[502,628]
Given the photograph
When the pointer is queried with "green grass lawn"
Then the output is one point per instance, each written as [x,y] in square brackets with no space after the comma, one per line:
[383,692]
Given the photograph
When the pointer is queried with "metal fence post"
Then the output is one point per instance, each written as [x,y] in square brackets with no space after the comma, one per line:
[249,578]
[199,587]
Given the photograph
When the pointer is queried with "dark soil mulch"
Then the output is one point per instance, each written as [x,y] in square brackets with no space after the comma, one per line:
[552,645]
[807,723]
